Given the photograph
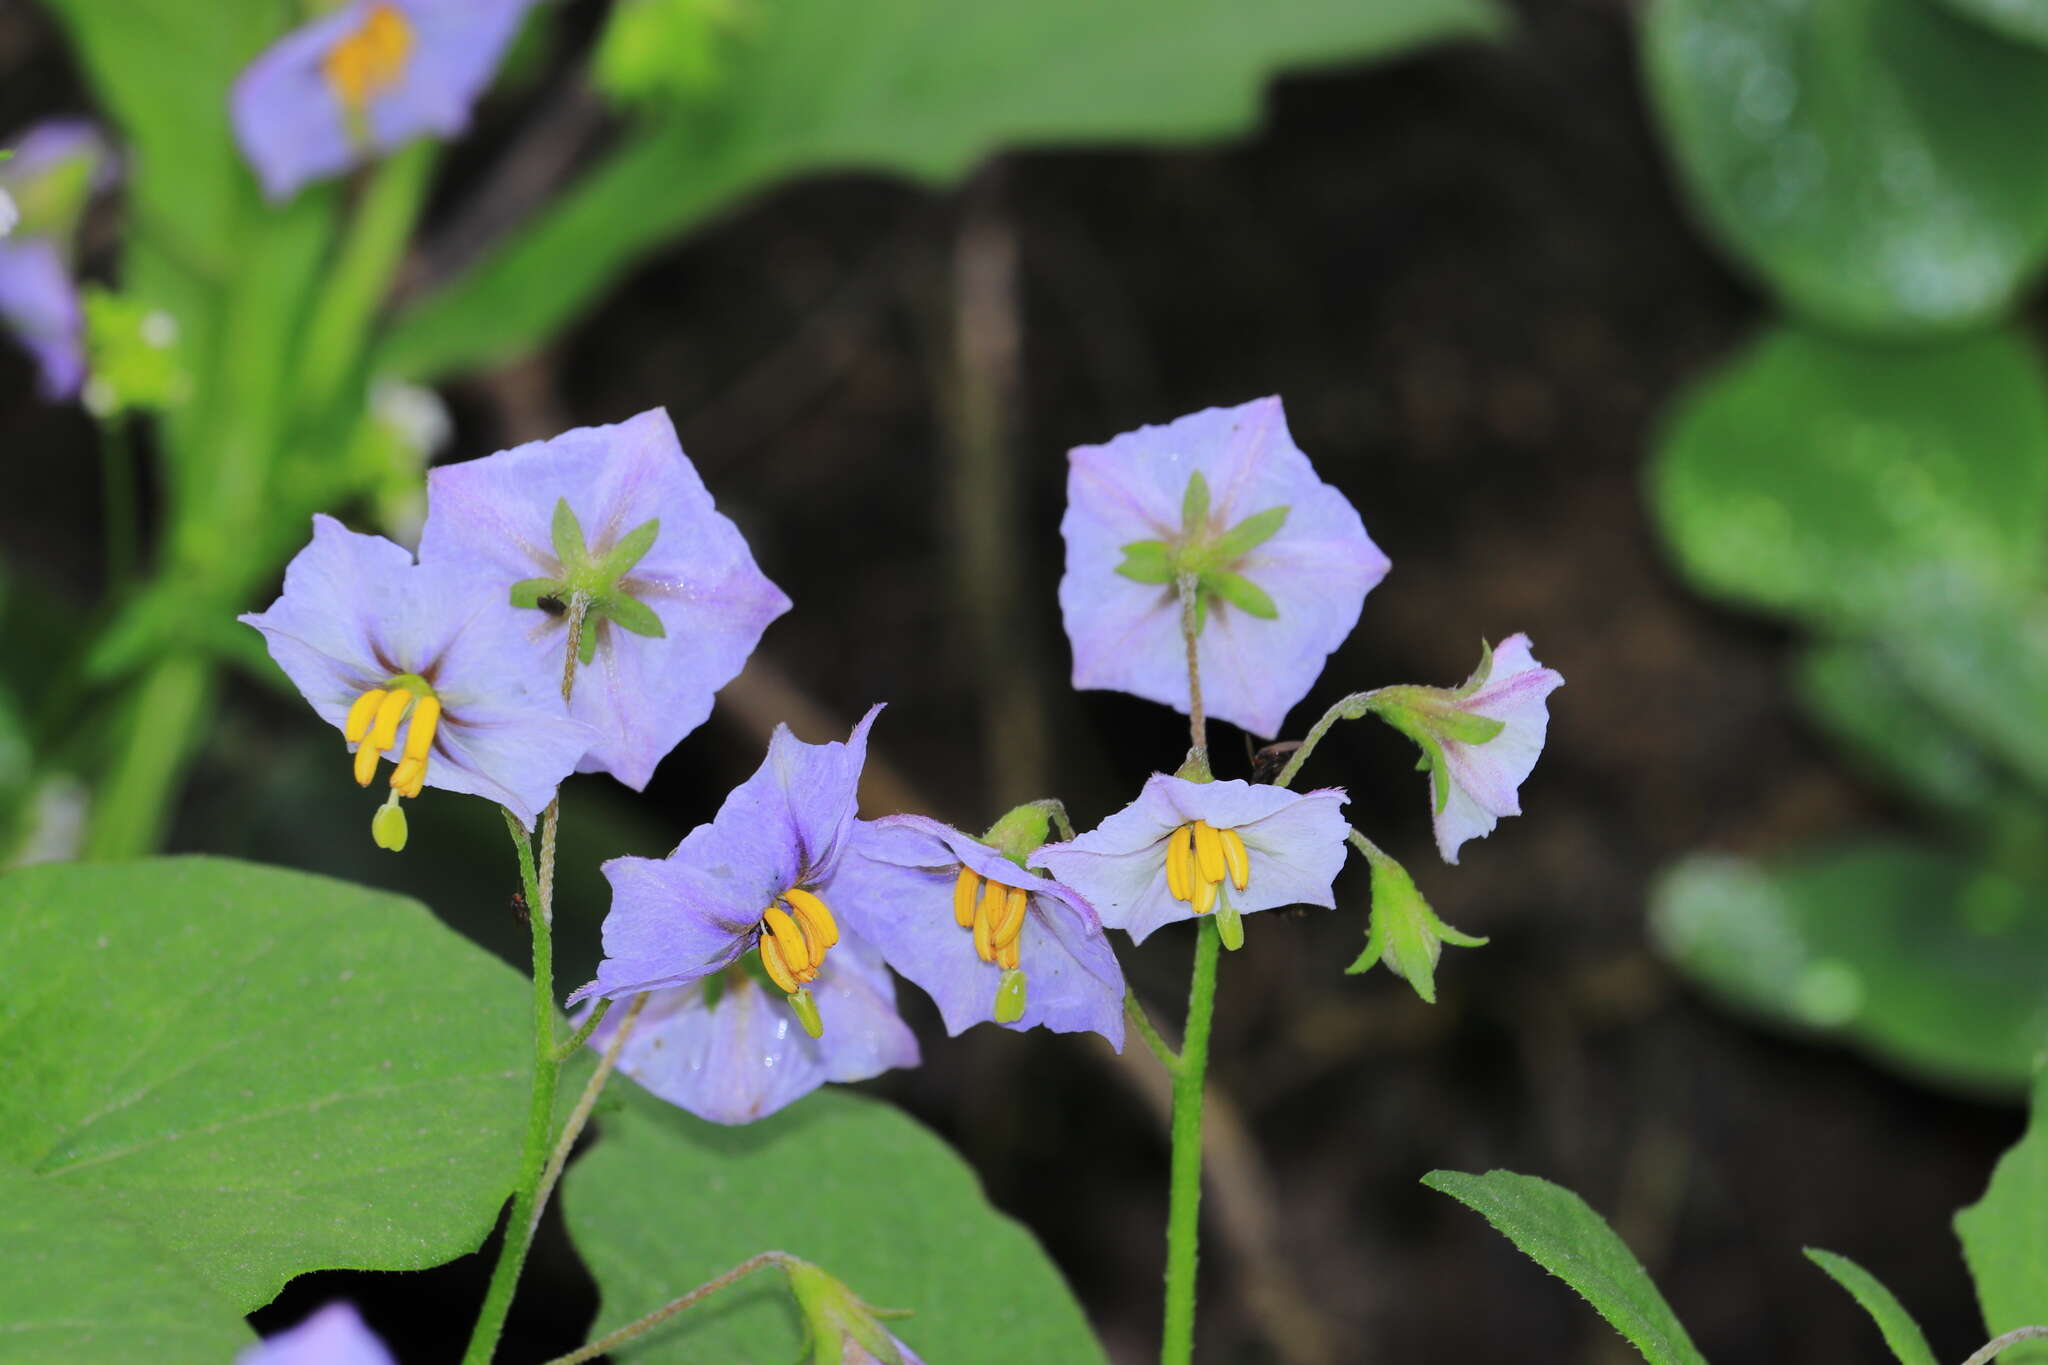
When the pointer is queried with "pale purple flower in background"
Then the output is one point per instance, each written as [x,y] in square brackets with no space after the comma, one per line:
[747,881]
[1476,783]
[40,305]
[909,882]
[55,169]
[333,1336]
[677,602]
[1286,563]
[364,80]
[416,661]
[9,214]
[725,1048]
[1152,863]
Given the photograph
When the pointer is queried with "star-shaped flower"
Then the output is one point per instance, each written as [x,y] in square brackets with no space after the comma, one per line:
[725,1048]
[364,80]
[1186,848]
[333,1336]
[1280,560]
[416,662]
[747,882]
[985,938]
[618,514]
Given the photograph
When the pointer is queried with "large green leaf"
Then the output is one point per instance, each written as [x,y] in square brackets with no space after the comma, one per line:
[266,1072]
[1561,1233]
[2005,1236]
[922,88]
[1831,481]
[1876,161]
[2023,20]
[86,1289]
[1927,961]
[665,1201]
[1900,1331]
[1981,658]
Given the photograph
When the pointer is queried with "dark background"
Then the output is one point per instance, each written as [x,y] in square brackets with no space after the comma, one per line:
[1469,275]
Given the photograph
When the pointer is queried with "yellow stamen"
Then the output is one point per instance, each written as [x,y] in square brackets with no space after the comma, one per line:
[964,888]
[1239,861]
[1180,882]
[408,773]
[1209,852]
[778,970]
[419,740]
[1009,955]
[366,763]
[390,711]
[1205,896]
[984,932]
[370,60]
[412,788]
[360,713]
[815,917]
[790,939]
[1010,923]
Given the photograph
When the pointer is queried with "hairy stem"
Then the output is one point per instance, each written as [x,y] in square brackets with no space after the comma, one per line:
[1142,1023]
[583,1031]
[641,1326]
[2017,1335]
[1183,1219]
[1350,708]
[1198,724]
[580,1115]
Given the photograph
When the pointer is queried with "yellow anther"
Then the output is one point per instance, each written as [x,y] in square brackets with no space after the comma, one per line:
[815,917]
[1236,858]
[1205,896]
[790,939]
[370,60]
[390,711]
[366,763]
[360,713]
[426,718]
[1180,854]
[1010,922]
[410,772]
[1009,955]
[412,788]
[778,970]
[1209,852]
[984,931]
[964,888]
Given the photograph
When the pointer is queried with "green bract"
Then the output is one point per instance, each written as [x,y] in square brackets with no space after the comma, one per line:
[1207,554]
[597,579]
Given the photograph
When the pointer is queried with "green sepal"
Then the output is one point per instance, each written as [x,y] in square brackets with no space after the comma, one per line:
[1405,931]
[527,592]
[834,1315]
[1439,775]
[1021,832]
[1254,531]
[1201,610]
[1147,561]
[1240,592]
[1466,727]
[586,647]
[567,533]
[1479,674]
[631,549]
[630,613]
[1194,506]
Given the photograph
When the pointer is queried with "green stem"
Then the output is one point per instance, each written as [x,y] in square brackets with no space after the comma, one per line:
[122,517]
[1198,723]
[1990,1349]
[165,716]
[1183,1219]
[1350,708]
[1141,1022]
[583,1032]
[641,1326]
[337,334]
[585,1102]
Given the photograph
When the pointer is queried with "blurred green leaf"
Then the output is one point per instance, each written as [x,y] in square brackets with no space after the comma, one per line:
[2025,21]
[86,1289]
[1929,962]
[1875,161]
[1982,659]
[2005,1236]
[1901,1333]
[1831,481]
[1560,1232]
[665,1201]
[922,88]
[266,1072]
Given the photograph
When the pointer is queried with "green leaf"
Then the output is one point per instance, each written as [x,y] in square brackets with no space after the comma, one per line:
[2005,1236]
[1556,1229]
[630,613]
[1147,561]
[2023,21]
[1875,161]
[665,1201]
[1862,697]
[1194,506]
[1925,960]
[1981,659]
[1254,531]
[1240,592]
[85,1288]
[921,88]
[266,1072]
[1901,1333]
[1830,481]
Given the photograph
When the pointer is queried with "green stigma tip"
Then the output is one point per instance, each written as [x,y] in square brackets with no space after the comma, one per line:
[387,827]
[1011,994]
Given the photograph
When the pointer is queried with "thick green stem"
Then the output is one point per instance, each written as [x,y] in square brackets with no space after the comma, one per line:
[133,802]
[1141,1023]
[338,333]
[1183,1219]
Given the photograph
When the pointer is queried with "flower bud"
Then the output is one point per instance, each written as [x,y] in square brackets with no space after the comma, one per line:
[1021,832]
[843,1329]
[1405,931]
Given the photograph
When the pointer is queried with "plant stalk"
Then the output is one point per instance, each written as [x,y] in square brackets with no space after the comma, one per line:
[1183,1219]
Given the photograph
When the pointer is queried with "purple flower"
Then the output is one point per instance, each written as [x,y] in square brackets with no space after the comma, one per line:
[618,513]
[364,80]
[54,170]
[415,661]
[746,882]
[333,1336]
[984,938]
[1475,771]
[725,1048]
[1281,561]
[1183,848]
[40,305]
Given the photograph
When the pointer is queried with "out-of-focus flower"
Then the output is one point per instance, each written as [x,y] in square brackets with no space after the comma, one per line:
[333,1336]
[985,938]
[364,80]
[1280,561]
[724,1048]
[1479,741]
[55,168]
[134,360]
[618,515]
[1405,932]
[416,662]
[1185,848]
[9,214]
[746,882]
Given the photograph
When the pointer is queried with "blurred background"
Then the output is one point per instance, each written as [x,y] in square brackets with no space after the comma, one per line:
[1692,339]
